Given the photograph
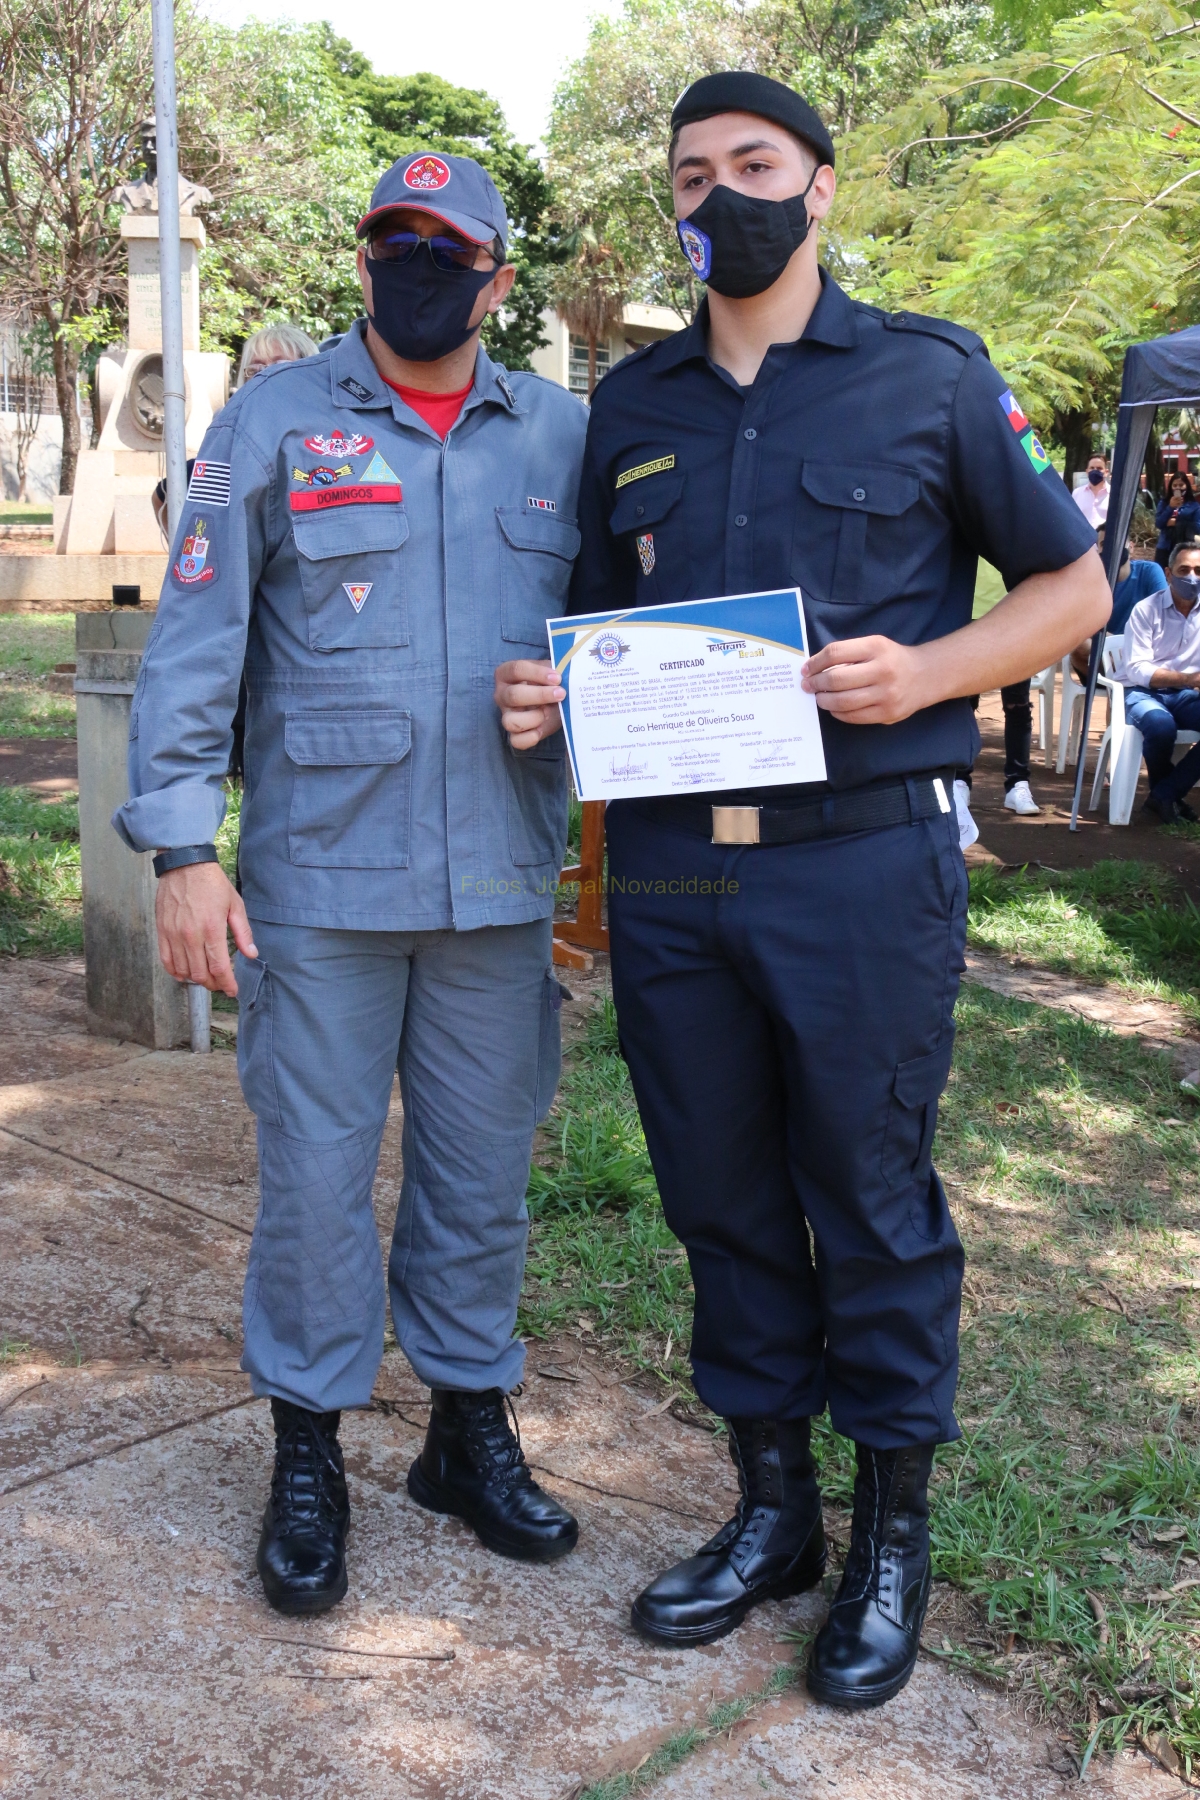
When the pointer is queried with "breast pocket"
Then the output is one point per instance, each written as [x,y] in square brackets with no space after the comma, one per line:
[850,543]
[649,516]
[351,789]
[352,573]
[537,551]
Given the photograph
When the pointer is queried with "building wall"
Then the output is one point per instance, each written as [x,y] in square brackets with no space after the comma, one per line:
[565,358]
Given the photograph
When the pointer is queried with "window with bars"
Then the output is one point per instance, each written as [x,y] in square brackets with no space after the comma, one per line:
[577,364]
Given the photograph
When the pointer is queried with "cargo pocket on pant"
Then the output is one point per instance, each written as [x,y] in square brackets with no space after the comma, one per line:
[912,1116]
[255,1040]
[549,1046]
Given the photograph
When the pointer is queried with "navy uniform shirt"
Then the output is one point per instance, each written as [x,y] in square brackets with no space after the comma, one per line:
[870,464]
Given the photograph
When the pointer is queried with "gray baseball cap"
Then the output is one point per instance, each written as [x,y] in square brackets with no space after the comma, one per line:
[453,189]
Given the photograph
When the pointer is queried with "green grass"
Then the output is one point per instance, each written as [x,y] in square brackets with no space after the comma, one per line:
[1076,1185]
[41,902]
[1124,922]
[30,645]
[677,1749]
[25,512]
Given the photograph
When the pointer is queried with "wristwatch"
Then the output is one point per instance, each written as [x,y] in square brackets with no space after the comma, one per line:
[166,860]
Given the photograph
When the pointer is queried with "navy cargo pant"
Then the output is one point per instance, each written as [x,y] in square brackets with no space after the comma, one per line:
[786,1014]
[323,1015]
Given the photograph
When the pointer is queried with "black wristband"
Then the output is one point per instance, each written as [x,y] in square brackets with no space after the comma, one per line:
[166,860]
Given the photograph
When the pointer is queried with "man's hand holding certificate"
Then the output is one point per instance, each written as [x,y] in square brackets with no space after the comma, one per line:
[702,695]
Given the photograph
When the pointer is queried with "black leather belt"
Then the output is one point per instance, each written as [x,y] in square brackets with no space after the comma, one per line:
[904,801]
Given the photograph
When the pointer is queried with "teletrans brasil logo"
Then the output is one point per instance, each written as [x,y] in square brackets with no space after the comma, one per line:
[727,646]
[609,650]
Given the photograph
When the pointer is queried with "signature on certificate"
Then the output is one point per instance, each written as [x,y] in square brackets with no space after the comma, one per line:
[626,767]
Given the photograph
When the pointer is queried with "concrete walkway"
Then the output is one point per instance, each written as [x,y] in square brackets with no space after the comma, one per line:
[139,1658]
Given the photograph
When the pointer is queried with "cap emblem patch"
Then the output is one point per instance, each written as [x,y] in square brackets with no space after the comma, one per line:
[697,247]
[645,550]
[338,444]
[357,592]
[426,174]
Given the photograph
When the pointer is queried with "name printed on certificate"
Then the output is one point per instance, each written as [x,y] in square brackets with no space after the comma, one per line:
[702,695]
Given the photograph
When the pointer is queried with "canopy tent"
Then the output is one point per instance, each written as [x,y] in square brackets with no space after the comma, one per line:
[1164,372]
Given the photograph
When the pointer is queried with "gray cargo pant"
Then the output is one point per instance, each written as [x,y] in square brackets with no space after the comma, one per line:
[322,1015]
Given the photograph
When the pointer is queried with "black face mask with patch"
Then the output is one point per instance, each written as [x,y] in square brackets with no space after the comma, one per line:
[740,244]
[422,312]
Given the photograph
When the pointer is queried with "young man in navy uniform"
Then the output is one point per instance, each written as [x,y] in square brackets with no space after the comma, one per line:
[788,1041]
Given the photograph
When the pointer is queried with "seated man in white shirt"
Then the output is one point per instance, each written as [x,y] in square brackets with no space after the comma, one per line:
[1161,667]
[1092,500]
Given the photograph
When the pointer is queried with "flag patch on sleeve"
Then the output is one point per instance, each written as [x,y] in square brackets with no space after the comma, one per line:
[1016,417]
[209,485]
[1035,453]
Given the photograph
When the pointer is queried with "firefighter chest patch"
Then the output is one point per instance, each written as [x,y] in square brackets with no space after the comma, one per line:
[645,550]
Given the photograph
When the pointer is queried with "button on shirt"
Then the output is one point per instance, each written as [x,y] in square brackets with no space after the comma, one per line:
[870,463]
[1158,636]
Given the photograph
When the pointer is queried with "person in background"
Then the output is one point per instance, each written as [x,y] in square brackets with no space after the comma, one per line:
[262,349]
[1177,517]
[1161,669]
[1136,580]
[1092,500]
[273,344]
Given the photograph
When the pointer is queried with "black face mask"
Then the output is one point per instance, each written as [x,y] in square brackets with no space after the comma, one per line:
[423,312]
[740,244]
[1096,477]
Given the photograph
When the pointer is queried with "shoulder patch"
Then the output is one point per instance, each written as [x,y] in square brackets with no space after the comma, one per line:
[962,339]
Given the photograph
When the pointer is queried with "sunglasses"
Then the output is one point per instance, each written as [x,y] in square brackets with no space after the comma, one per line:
[449,254]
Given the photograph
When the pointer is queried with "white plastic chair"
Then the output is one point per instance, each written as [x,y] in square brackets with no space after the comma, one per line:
[1121,746]
[1070,717]
[1043,686]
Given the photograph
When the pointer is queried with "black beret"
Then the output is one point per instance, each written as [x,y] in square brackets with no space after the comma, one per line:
[740,90]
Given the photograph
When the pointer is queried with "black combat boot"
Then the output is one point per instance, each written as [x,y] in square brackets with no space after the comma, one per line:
[867,1648]
[773,1546]
[302,1550]
[473,1466]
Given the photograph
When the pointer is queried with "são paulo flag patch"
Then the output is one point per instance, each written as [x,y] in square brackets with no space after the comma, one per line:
[357,592]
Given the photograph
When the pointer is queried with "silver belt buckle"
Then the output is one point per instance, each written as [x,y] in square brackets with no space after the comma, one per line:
[735,825]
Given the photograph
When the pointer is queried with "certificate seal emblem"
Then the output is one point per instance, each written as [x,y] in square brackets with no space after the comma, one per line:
[609,649]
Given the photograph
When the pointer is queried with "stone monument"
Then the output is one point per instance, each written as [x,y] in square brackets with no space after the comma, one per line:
[110,512]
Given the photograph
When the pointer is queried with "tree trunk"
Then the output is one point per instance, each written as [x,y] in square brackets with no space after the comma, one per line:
[1074,432]
[66,363]
[591,363]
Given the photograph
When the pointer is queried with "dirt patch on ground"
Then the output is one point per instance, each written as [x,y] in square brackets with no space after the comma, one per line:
[48,766]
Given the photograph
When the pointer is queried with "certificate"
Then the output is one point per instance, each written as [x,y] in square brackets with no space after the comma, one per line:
[701,695]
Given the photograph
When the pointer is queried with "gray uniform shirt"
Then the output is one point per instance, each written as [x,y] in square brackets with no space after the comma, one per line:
[369,578]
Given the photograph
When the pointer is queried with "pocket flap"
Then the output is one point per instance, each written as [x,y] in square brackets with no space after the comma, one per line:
[922,1080]
[646,502]
[338,739]
[861,487]
[249,980]
[526,529]
[349,531]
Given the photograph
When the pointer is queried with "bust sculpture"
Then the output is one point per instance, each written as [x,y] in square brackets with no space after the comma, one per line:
[141,196]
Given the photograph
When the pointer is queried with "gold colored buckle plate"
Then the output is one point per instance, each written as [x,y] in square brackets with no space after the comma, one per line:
[735,825]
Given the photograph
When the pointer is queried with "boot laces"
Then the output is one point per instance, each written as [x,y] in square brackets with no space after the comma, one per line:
[307,1470]
[494,1446]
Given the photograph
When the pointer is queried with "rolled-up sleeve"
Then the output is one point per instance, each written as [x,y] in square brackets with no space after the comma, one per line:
[1137,661]
[181,723]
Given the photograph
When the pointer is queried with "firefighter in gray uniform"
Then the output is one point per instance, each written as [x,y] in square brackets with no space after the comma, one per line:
[369,532]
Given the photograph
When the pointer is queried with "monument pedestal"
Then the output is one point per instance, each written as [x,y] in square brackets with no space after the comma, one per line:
[129,993]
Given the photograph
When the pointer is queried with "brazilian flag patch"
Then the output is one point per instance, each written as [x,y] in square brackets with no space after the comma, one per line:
[1033,450]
